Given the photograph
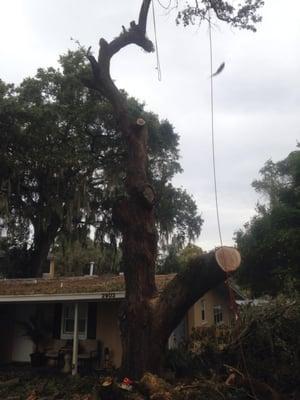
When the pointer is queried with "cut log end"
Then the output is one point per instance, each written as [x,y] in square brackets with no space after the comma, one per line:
[140,122]
[228,258]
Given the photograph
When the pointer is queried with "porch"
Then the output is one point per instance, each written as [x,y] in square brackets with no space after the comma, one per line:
[72,334]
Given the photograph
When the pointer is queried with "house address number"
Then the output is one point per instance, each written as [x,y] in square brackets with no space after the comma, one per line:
[108,295]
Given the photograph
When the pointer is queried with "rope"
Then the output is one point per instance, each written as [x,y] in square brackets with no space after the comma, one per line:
[158,67]
[163,6]
[213,131]
[232,301]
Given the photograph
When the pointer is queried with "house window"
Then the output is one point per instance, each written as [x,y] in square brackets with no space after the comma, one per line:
[67,325]
[218,314]
[202,309]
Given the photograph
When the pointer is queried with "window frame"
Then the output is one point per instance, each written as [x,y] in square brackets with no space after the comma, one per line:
[82,308]
[218,314]
[203,310]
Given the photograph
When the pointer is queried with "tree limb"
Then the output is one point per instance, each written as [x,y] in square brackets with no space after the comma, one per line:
[102,81]
[143,15]
[201,275]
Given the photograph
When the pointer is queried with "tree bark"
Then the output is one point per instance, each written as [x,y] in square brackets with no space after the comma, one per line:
[43,240]
[147,318]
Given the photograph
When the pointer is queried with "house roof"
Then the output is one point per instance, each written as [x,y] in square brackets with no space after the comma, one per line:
[104,287]
[60,288]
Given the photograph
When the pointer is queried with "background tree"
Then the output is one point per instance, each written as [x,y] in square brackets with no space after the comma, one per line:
[148,318]
[177,258]
[74,257]
[62,168]
[243,15]
[48,156]
[270,242]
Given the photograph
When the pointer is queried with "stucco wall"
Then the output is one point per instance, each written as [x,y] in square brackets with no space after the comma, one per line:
[211,299]
[108,329]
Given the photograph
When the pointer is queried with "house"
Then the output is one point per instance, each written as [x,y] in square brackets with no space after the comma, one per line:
[91,304]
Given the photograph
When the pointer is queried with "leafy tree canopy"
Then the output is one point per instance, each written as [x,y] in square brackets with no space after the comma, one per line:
[62,165]
[74,257]
[270,242]
[177,257]
[242,15]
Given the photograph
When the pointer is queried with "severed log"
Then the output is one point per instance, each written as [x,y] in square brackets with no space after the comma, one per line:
[228,258]
[202,274]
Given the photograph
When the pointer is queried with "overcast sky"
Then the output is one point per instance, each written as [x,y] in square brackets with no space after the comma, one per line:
[257,97]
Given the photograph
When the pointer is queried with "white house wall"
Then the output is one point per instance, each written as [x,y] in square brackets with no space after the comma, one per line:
[22,345]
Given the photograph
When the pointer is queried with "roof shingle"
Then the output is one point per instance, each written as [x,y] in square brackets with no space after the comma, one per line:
[70,285]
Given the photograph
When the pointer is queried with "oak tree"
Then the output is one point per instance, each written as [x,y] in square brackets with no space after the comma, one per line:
[62,167]
[149,317]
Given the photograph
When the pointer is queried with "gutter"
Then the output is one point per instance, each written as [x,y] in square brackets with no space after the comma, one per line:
[102,296]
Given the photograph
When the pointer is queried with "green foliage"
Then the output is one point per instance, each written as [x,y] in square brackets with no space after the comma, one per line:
[36,329]
[268,335]
[200,354]
[48,153]
[270,242]
[177,256]
[63,160]
[74,257]
[243,15]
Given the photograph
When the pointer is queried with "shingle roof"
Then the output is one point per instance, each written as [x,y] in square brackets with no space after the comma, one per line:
[70,285]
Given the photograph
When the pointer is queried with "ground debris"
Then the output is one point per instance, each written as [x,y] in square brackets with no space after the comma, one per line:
[10,382]
[29,385]
[151,384]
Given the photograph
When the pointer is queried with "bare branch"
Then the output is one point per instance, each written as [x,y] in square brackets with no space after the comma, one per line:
[102,81]
[143,15]
[135,35]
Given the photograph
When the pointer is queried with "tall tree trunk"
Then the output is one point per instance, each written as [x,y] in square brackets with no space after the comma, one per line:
[147,318]
[42,242]
[135,216]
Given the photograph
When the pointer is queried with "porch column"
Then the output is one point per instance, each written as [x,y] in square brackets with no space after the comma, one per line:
[75,342]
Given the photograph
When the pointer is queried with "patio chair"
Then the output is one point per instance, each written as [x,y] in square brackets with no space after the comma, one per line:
[90,359]
[54,354]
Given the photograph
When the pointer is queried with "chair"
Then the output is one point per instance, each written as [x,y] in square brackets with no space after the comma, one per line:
[54,354]
[90,357]
[96,355]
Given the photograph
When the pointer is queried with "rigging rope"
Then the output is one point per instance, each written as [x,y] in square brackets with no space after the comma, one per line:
[158,67]
[163,6]
[213,130]
[233,304]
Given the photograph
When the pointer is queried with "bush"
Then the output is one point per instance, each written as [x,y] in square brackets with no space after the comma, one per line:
[264,343]
[201,353]
[271,343]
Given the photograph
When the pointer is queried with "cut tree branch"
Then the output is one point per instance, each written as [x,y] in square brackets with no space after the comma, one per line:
[201,275]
